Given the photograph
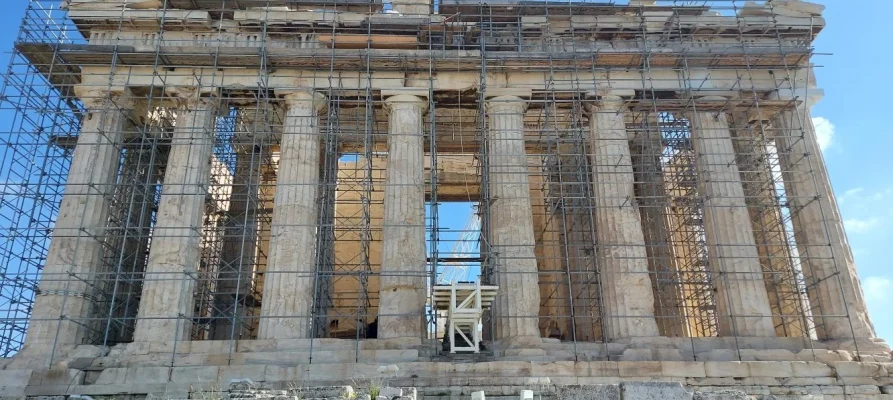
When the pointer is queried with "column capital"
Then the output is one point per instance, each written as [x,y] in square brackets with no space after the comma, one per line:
[607,100]
[608,103]
[96,98]
[304,98]
[190,97]
[505,104]
[405,100]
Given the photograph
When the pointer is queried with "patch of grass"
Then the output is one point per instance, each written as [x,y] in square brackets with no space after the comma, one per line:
[374,386]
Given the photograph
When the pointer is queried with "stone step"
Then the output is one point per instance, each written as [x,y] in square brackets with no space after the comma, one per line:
[271,345]
[288,358]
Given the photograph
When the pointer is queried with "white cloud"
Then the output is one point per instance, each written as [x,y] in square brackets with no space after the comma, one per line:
[877,288]
[856,225]
[853,191]
[824,131]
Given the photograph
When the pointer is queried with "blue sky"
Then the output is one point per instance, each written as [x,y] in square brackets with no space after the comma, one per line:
[854,121]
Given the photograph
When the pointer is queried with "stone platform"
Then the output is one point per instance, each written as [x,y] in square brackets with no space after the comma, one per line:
[754,366]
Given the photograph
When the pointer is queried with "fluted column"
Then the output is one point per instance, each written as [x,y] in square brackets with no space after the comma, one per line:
[651,190]
[628,301]
[237,258]
[510,234]
[167,301]
[401,307]
[75,254]
[291,264]
[741,300]
[760,193]
[833,288]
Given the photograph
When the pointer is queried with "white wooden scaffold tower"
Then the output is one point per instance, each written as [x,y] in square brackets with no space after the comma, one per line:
[464,303]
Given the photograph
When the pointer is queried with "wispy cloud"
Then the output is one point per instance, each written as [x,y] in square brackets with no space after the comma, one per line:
[877,288]
[824,131]
[856,225]
[850,194]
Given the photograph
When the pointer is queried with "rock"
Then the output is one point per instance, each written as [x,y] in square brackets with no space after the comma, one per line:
[589,392]
[721,395]
[390,392]
[242,384]
[654,391]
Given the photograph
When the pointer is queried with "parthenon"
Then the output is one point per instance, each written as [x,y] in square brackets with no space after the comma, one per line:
[277,190]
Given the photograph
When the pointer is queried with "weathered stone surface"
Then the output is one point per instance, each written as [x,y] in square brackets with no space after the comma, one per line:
[167,300]
[589,392]
[403,260]
[857,369]
[75,251]
[721,395]
[512,242]
[654,391]
[818,227]
[742,301]
[683,369]
[628,299]
[770,369]
[289,280]
[726,369]
[55,377]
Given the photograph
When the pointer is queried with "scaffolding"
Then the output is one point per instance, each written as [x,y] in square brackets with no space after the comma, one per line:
[237,54]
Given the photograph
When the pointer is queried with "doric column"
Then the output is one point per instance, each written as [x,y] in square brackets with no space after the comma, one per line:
[75,254]
[291,264]
[510,233]
[237,258]
[741,300]
[761,197]
[628,301]
[167,301]
[401,306]
[651,190]
[833,288]
[135,199]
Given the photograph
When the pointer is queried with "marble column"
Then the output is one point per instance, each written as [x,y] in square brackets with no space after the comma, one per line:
[401,307]
[62,300]
[741,302]
[291,265]
[761,197]
[140,177]
[628,301]
[237,259]
[167,301]
[651,191]
[510,234]
[833,289]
